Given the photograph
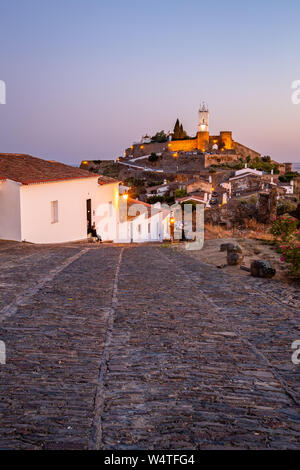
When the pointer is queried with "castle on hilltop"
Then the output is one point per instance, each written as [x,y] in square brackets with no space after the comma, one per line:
[221,146]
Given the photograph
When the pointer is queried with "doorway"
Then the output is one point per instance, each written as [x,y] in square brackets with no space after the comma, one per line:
[89,215]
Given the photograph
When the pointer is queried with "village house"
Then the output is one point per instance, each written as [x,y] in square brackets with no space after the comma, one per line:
[48,202]
[194,185]
[140,222]
[162,189]
[197,198]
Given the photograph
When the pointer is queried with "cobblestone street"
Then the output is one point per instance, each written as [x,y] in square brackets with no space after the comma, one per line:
[142,347]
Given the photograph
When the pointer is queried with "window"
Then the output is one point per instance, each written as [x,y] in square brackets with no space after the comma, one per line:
[54,212]
[139,228]
[110,209]
[149,228]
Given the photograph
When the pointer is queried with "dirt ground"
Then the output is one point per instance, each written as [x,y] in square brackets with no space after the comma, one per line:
[252,250]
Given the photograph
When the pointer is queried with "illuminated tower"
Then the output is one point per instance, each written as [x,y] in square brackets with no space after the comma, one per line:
[203,118]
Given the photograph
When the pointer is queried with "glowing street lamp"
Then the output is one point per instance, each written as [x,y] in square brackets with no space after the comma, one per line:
[172,223]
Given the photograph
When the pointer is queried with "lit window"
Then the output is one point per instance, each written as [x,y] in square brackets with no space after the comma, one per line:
[54,212]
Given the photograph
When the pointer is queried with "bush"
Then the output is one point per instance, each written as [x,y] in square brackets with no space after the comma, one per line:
[291,255]
[159,137]
[284,227]
[285,207]
[155,198]
[264,164]
[180,193]
[153,157]
[287,178]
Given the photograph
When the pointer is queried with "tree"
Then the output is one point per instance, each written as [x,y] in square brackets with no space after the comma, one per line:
[178,132]
[159,137]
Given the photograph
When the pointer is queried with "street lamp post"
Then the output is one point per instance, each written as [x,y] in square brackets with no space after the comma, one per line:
[172,223]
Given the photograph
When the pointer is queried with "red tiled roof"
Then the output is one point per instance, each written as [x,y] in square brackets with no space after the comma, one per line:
[193,197]
[26,169]
[150,210]
[106,180]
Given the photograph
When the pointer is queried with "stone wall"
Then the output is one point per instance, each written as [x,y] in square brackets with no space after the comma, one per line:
[267,206]
[297,185]
[187,145]
[244,151]
[250,183]
[218,158]
[138,150]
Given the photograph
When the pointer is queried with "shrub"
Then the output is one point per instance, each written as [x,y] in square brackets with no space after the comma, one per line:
[155,198]
[159,137]
[291,255]
[284,227]
[285,207]
[287,178]
[253,199]
[180,193]
[153,157]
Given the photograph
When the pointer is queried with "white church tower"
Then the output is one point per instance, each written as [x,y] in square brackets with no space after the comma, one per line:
[203,118]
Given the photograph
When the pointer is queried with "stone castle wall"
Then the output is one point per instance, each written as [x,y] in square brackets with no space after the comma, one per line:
[203,142]
[187,145]
[244,151]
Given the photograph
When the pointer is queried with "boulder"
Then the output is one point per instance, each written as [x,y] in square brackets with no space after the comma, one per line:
[234,248]
[224,246]
[231,247]
[233,258]
[262,268]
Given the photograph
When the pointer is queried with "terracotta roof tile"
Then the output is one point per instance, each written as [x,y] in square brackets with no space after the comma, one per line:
[26,169]
[106,180]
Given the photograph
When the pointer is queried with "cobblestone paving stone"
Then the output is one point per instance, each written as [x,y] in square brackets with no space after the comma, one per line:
[54,347]
[163,353]
[184,375]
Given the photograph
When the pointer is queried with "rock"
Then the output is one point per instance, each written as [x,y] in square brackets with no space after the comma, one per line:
[231,247]
[234,248]
[245,268]
[234,259]
[262,268]
[224,246]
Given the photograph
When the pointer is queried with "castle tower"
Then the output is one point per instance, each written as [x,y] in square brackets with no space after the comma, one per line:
[203,118]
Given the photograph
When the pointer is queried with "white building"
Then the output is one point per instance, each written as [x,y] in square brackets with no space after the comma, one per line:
[140,222]
[247,171]
[49,202]
[287,187]
[203,123]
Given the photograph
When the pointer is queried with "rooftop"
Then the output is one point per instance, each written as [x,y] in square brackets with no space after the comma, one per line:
[26,169]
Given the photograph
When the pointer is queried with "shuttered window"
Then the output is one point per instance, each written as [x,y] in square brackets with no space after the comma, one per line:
[54,212]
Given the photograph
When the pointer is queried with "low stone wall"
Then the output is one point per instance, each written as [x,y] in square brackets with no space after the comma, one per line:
[218,158]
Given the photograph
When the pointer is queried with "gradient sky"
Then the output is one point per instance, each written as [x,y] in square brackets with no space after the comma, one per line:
[86,78]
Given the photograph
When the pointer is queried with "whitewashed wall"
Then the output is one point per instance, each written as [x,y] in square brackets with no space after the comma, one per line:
[71,196]
[142,228]
[10,220]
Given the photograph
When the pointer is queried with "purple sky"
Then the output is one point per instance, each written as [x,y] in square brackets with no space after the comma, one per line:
[85,78]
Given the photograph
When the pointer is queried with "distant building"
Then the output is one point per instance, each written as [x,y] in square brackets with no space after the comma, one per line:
[216,147]
[140,222]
